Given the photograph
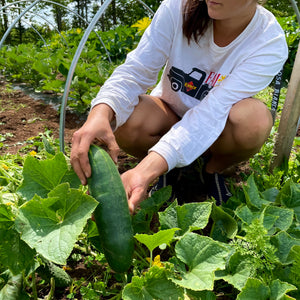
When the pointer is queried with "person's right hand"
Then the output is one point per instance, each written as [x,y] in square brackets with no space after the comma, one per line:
[97,127]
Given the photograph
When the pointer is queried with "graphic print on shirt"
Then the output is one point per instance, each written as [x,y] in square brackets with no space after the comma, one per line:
[195,83]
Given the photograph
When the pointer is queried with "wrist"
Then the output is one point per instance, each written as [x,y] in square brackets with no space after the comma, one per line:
[104,110]
[151,167]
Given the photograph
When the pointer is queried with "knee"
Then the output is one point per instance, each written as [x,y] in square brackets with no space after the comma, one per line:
[251,123]
[129,134]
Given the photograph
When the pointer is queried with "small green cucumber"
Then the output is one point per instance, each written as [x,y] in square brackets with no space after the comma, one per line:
[48,270]
[112,214]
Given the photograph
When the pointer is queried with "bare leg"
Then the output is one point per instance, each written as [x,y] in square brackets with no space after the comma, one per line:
[247,128]
[150,120]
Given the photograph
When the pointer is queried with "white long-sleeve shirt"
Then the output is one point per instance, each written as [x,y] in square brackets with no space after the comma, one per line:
[201,81]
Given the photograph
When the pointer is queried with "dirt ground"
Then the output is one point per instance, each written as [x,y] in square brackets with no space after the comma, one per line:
[22,117]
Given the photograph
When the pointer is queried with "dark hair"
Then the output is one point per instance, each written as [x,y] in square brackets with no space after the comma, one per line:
[195,19]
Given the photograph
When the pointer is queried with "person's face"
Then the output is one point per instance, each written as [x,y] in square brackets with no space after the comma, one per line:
[230,9]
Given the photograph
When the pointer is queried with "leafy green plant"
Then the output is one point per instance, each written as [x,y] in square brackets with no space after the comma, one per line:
[46,68]
[200,250]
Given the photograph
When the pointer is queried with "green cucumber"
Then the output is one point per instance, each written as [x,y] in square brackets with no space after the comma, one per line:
[112,214]
[48,270]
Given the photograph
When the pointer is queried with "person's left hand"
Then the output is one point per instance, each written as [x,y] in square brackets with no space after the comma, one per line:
[137,180]
[135,187]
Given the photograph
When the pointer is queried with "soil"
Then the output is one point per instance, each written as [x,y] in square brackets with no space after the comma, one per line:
[22,117]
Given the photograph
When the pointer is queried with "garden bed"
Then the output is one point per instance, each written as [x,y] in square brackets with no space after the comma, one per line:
[22,119]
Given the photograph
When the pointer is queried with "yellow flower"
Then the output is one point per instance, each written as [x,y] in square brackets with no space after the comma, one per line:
[78,30]
[142,24]
[66,268]
[5,167]
[32,153]
[9,203]
[156,261]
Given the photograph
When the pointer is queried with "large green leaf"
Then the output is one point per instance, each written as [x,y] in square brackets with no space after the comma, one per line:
[284,242]
[42,176]
[12,290]
[279,289]
[254,289]
[239,269]
[252,194]
[188,217]
[224,227]
[142,219]
[6,216]
[153,285]
[202,295]
[284,216]
[52,225]
[245,214]
[15,254]
[289,196]
[202,256]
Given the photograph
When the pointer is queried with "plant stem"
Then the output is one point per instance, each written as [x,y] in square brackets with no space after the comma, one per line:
[84,250]
[151,257]
[141,258]
[240,237]
[33,286]
[52,289]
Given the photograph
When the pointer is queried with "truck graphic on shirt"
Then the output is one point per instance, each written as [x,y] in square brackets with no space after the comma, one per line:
[191,83]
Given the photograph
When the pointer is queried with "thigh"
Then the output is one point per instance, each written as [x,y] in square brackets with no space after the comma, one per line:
[150,120]
[152,115]
[248,126]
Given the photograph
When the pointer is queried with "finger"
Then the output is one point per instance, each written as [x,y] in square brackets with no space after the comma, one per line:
[113,147]
[79,156]
[131,208]
[136,197]
[78,170]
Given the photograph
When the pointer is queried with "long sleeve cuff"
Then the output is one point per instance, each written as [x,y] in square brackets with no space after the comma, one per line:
[167,152]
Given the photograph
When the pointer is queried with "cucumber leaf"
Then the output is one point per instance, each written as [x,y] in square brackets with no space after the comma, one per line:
[279,289]
[42,176]
[240,268]
[224,227]
[202,257]
[15,254]
[284,216]
[52,225]
[245,214]
[254,289]
[289,196]
[153,285]
[252,194]
[156,239]
[284,242]
[12,289]
[188,217]
[141,221]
